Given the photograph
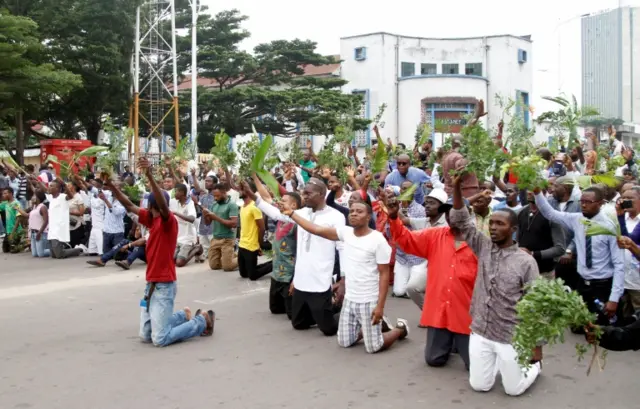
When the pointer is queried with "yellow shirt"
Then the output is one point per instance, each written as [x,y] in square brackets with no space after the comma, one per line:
[248,227]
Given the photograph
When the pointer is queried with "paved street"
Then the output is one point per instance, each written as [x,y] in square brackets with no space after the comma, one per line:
[68,340]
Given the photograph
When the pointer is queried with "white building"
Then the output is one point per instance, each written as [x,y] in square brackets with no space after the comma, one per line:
[426,79]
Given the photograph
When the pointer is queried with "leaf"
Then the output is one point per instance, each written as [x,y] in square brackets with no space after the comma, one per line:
[52,158]
[427,131]
[270,181]
[607,179]
[558,100]
[380,159]
[407,195]
[599,229]
[92,151]
[257,164]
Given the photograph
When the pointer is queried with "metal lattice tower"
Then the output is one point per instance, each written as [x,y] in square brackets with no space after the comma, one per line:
[155,72]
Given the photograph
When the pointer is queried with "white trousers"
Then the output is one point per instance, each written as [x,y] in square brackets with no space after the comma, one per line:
[403,274]
[417,286]
[95,240]
[487,358]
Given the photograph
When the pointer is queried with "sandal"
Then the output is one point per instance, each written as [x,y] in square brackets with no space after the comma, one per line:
[210,321]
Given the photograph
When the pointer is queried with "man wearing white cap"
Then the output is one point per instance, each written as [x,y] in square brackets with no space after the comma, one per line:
[434,218]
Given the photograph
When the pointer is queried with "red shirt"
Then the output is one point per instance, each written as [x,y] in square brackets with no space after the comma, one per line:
[161,245]
[451,275]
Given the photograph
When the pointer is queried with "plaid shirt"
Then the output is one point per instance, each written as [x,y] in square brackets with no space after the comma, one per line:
[414,210]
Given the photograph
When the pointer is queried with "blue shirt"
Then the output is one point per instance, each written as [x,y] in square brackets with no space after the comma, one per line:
[114,217]
[607,257]
[415,176]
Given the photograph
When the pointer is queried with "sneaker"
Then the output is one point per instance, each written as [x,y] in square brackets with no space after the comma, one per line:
[386,324]
[84,248]
[95,263]
[403,325]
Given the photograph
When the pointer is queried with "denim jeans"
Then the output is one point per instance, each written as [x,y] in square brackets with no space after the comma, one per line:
[110,240]
[39,248]
[132,255]
[161,325]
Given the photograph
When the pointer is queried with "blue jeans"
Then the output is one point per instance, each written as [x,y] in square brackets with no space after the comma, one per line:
[161,325]
[133,255]
[39,248]
[110,240]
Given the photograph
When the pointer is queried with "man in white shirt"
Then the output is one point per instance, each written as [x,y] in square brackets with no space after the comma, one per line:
[59,222]
[185,211]
[98,208]
[365,262]
[312,301]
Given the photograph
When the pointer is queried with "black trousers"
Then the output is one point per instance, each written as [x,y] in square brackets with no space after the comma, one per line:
[248,265]
[569,274]
[279,299]
[439,344]
[590,290]
[308,309]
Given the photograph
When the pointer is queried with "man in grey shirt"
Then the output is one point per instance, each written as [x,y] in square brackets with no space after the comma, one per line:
[503,273]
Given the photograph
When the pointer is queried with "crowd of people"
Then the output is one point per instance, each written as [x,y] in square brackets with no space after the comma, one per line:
[463,248]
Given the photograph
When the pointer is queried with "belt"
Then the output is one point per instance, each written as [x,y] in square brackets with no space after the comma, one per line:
[597,281]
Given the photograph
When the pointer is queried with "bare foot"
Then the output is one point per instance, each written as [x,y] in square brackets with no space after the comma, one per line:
[187,313]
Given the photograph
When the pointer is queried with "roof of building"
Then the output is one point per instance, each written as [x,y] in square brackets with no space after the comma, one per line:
[524,37]
[309,71]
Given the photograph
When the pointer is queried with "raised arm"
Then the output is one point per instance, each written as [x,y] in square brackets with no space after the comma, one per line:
[262,191]
[567,220]
[121,197]
[271,211]
[460,218]
[417,243]
[329,233]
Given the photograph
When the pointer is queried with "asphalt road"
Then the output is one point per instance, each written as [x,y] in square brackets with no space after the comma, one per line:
[68,339]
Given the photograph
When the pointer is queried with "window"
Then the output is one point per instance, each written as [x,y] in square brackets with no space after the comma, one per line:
[360,53]
[522,106]
[428,69]
[450,68]
[473,69]
[522,56]
[408,69]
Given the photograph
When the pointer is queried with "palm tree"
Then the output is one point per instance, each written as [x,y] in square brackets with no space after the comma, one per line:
[568,117]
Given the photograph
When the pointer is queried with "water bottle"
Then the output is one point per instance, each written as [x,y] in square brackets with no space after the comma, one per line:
[600,305]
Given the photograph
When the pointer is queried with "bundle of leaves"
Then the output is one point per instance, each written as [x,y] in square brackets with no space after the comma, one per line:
[610,228]
[545,312]
[67,168]
[565,120]
[480,151]
[378,164]
[333,154]
[607,179]
[225,156]
[134,193]
[247,150]
[528,171]
[519,135]
[107,162]
[615,163]
[292,152]
[258,166]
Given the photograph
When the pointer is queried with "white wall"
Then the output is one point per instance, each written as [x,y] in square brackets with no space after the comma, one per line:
[380,71]
[413,90]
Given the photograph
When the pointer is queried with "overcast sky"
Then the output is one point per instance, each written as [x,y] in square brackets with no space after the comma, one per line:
[548,21]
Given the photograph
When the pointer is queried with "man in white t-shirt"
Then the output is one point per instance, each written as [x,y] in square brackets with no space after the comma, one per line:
[185,211]
[59,222]
[365,262]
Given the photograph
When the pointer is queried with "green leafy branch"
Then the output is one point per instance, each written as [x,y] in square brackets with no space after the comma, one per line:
[545,312]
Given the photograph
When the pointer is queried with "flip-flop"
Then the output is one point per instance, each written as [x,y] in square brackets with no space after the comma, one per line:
[212,317]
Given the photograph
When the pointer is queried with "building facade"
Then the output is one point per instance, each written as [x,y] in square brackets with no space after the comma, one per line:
[611,63]
[427,80]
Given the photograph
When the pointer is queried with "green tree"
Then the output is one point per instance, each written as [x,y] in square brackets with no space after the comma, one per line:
[265,88]
[94,39]
[567,118]
[28,80]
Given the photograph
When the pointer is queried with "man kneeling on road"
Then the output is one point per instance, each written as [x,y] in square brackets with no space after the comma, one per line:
[158,322]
